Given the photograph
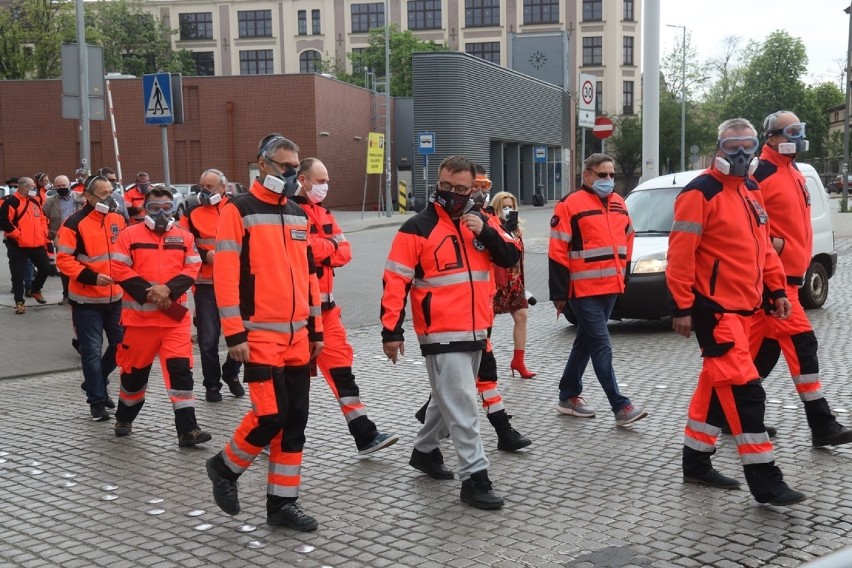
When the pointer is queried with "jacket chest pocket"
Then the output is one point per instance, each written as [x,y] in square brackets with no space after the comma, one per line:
[448,254]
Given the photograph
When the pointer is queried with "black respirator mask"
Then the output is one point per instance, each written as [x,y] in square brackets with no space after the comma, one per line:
[208,198]
[106,205]
[453,203]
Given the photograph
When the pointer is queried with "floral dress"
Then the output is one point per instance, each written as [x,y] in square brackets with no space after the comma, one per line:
[511,297]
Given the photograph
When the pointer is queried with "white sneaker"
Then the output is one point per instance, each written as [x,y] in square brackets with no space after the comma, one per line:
[575,406]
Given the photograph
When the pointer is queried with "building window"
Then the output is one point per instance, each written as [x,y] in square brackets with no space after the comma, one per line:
[628,10]
[367,16]
[592,10]
[481,13]
[357,68]
[593,50]
[196,26]
[255,23]
[310,61]
[628,50]
[599,97]
[487,50]
[541,11]
[204,63]
[256,62]
[424,14]
[628,97]
[303,22]
[316,25]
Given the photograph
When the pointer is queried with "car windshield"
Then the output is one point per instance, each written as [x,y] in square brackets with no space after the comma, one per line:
[652,210]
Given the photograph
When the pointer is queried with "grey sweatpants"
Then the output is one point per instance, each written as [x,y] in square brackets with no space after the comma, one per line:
[454,409]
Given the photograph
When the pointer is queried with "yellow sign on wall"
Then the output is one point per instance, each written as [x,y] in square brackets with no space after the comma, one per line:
[375,153]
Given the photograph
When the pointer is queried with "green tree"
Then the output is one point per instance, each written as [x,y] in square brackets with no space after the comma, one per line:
[31,34]
[814,112]
[697,72]
[134,41]
[625,147]
[402,45]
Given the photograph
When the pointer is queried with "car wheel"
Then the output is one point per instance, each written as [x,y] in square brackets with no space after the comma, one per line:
[815,291]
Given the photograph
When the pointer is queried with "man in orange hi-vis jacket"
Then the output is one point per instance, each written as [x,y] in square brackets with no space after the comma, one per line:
[720,264]
[268,297]
[788,204]
[155,263]
[331,250]
[443,257]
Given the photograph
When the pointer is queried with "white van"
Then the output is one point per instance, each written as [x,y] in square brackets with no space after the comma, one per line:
[651,208]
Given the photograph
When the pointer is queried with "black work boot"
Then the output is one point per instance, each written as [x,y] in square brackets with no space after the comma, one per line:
[697,468]
[224,485]
[281,512]
[432,464]
[234,386]
[767,485]
[825,429]
[478,492]
[508,439]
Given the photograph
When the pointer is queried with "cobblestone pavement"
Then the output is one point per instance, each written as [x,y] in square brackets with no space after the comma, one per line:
[585,493]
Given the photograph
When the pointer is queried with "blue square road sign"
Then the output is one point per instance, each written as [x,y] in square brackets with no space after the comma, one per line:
[157,98]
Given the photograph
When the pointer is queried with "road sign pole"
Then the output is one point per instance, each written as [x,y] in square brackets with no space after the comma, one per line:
[582,149]
[83,54]
[164,139]
[603,146]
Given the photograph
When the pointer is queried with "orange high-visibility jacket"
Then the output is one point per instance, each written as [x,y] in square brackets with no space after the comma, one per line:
[591,243]
[264,276]
[23,221]
[788,203]
[720,257]
[134,200]
[143,258]
[202,221]
[85,246]
[329,245]
[448,270]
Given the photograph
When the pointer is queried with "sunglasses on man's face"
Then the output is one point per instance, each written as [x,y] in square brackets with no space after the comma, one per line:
[603,175]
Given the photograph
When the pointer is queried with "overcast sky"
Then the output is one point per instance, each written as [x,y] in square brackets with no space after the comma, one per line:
[821,24]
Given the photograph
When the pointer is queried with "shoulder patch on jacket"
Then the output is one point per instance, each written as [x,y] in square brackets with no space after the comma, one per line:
[554,220]
[764,170]
[706,184]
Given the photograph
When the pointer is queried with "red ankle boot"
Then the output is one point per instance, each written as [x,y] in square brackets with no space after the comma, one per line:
[518,365]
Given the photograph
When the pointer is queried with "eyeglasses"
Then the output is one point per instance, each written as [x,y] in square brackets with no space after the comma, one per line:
[603,175]
[447,186]
[795,130]
[734,144]
[282,165]
[154,207]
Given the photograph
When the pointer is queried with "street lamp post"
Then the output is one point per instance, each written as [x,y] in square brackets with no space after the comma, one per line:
[682,99]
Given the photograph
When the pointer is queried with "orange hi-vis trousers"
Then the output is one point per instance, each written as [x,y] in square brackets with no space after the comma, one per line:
[335,362]
[278,379]
[136,354]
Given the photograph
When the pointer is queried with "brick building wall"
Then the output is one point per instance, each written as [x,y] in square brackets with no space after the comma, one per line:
[225,118]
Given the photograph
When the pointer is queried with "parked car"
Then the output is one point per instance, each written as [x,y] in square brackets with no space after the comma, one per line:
[236,188]
[651,207]
[836,185]
[189,192]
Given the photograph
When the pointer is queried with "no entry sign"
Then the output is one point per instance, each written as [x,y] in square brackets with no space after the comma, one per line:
[603,128]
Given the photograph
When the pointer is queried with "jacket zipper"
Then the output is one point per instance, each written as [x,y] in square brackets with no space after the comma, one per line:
[470,280]
[750,213]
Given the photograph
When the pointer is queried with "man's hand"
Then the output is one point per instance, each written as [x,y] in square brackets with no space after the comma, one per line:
[159,295]
[473,222]
[210,255]
[316,347]
[783,308]
[394,348]
[777,244]
[559,305]
[104,280]
[239,352]
[682,325]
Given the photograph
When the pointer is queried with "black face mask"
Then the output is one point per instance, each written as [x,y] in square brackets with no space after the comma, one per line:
[62,191]
[143,187]
[453,203]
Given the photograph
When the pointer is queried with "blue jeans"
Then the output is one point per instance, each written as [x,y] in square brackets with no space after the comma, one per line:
[592,342]
[91,323]
[209,328]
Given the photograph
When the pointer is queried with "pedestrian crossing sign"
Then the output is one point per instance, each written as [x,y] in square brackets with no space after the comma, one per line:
[157,96]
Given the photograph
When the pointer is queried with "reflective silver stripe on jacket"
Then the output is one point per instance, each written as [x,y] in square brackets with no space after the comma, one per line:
[211,241]
[229,311]
[260,219]
[315,311]
[560,236]
[282,327]
[450,279]
[449,336]
[195,259]
[400,269]
[228,245]
[686,227]
[99,258]
[587,274]
[622,250]
[90,300]
[137,307]
[65,249]
[122,258]
[326,297]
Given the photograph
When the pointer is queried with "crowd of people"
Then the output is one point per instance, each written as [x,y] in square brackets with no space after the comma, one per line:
[738,252]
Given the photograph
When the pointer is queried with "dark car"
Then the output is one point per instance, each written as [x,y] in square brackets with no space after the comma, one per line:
[836,185]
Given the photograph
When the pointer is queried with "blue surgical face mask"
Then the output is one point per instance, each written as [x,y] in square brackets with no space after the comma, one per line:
[603,187]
